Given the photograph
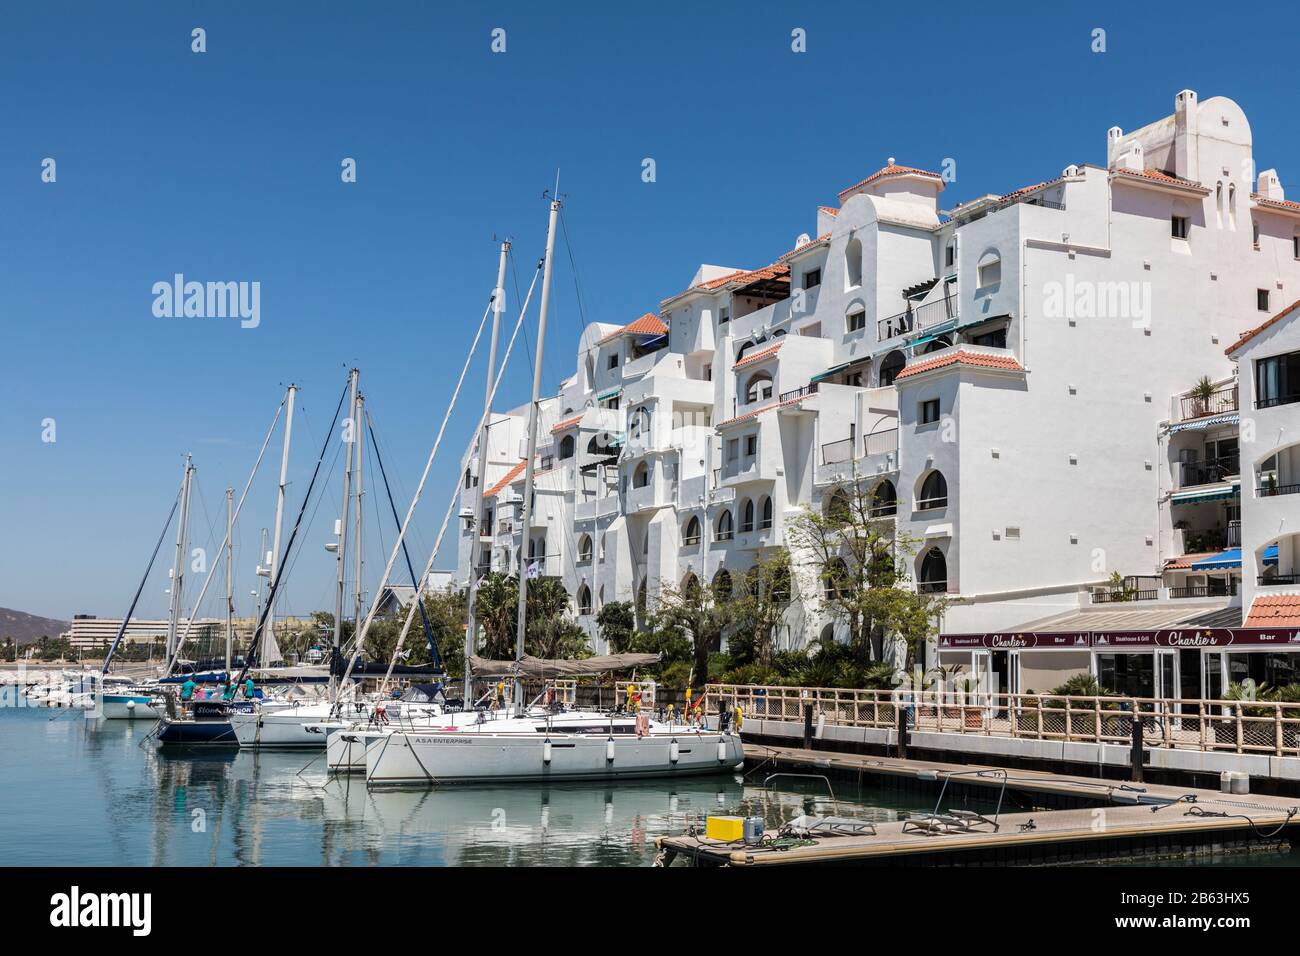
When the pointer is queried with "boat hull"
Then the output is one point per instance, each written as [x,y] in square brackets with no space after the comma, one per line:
[403,759]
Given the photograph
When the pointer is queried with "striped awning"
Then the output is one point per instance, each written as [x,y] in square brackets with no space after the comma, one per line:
[1228,418]
[1210,493]
[609,394]
[1225,559]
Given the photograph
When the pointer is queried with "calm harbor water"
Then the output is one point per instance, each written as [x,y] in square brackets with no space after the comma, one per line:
[91,793]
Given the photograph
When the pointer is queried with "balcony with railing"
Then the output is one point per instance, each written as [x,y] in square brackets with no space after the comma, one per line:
[1209,471]
[917,319]
[1221,399]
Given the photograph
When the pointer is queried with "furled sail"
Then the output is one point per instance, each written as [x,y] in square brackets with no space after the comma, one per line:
[539,668]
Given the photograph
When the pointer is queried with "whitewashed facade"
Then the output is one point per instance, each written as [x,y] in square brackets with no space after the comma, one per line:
[1004,373]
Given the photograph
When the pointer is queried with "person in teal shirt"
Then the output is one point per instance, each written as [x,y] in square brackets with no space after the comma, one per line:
[188,688]
[248,688]
[229,693]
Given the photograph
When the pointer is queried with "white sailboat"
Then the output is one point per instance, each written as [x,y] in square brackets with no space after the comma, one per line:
[554,744]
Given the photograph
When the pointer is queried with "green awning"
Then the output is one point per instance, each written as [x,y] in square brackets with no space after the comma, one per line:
[609,394]
[1215,493]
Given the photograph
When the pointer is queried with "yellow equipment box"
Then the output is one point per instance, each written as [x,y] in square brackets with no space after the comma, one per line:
[727,829]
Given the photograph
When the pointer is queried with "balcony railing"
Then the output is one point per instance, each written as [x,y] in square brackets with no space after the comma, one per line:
[1222,399]
[1274,400]
[1118,596]
[837,451]
[1223,589]
[1272,490]
[1209,471]
[1270,580]
[918,319]
[799,392]
[880,443]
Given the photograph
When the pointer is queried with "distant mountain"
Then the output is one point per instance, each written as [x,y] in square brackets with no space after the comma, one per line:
[25,628]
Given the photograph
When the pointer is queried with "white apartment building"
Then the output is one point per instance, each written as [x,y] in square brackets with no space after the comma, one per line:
[87,632]
[1004,375]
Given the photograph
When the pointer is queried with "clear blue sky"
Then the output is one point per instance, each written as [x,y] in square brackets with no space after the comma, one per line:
[225,166]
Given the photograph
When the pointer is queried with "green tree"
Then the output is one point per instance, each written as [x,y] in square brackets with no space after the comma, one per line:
[758,612]
[550,630]
[617,623]
[859,561]
[702,613]
[447,616]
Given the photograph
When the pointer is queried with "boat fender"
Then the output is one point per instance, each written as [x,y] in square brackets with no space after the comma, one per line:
[673,751]
[609,750]
[722,750]
[740,717]
[546,751]
[130,705]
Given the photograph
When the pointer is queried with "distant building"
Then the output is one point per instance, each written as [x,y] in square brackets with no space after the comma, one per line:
[88,631]
[395,596]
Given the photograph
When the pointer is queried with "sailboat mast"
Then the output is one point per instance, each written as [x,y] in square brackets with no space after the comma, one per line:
[178,565]
[356,542]
[498,306]
[350,427]
[230,575]
[279,517]
[533,415]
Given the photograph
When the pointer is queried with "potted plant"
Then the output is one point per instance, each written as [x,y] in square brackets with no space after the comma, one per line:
[1200,394]
[945,682]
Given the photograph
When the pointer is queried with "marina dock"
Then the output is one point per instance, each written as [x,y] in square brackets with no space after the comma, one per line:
[1068,819]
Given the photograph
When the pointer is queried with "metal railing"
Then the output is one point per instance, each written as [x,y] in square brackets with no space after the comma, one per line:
[1266,580]
[799,392]
[1222,399]
[1275,400]
[1243,727]
[917,319]
[1119,596]
[835,452]
[1271,490]
[1205,590]
[880,443]
[1209,471]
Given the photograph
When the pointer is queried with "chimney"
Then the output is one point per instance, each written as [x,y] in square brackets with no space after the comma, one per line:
[1186,137]
[1270,187]
[1113,136]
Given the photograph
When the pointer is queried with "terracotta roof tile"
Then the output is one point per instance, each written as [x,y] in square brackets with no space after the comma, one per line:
[759,355]
[829,210]
[961,357]
[766,408]
[1286,204]
[890,170]
[511,475]
[1260,328]
[1275,610]
[567,423]
[648,324]
[806,246]
[1159,176]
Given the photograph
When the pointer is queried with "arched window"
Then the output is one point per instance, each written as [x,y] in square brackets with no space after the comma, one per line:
[566,447]
[641,477]
[828,634]
[934,572]
[852,263]
[989,269]
[942,342]
[584,549]
[891,366]
[692,533]
[602,545]
[765,516]
[591,371]
[837,506]
[584,600]
[469,479]
[884,500]
[690,584]
[600,596]
[759,387]
[639,423]
[602,444]
[934,492]
[722,585]
[724,529]
[835,578]
[740,352]
[747,515]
